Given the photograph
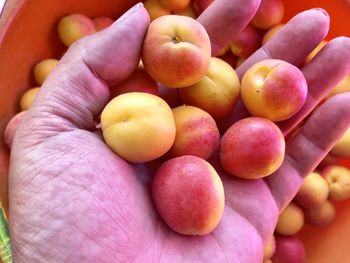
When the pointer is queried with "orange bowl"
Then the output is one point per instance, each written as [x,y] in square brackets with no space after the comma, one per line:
[28,35]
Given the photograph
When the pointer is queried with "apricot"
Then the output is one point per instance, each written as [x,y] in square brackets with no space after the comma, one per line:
[28,98]
[252,148]
[289,250]
[290,220]
[174,5]
[196,133]
[176,51]
[155,9]
[74,27]
[217,92]
[246,42]
[11,128]
[273,89]
[315,51]
[342,147]
[189,195]
[322,215]
[269,14]
[138,81]
[313,192]
[338,179]
[102,22]
[43,68]
[138,126]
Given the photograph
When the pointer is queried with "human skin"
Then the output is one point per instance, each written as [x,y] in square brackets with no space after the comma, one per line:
[11,128]
[86,216]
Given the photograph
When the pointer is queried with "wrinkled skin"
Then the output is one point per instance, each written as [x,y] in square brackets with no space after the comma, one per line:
[73,200]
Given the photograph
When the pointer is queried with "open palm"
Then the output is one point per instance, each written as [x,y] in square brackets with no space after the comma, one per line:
[73,200]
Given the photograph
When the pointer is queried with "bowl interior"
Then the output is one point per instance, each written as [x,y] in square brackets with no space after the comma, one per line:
[30,36]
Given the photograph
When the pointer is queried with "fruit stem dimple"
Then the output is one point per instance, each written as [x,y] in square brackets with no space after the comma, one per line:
[175,39]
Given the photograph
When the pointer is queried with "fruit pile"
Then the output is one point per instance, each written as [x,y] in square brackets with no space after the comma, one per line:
[173,110]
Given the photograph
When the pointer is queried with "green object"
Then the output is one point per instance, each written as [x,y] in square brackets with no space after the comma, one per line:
[5,245]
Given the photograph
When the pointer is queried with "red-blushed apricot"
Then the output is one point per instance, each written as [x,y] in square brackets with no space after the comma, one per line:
[313,192]
[43,68]
[273,89]
[138,81]
[187,11]
[290,220]
[174,5]
[338,179]
[315,51]
[252,148]
[289,250]
[246,42]
[200,5]
[342,147]
[176,51]
[271,32]
[74,27]
[269,248]
[155,9]
[11,128]
[189,195]
[342,86]
[102,22]
[196,133]
[322,215]
[217,92]
[269,14]
[138,126]
[28,98]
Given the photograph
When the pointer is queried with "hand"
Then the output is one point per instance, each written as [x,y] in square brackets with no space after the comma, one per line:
[73,200]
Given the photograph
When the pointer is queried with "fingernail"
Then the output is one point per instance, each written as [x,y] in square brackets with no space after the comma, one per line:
[131,11]
[322,11]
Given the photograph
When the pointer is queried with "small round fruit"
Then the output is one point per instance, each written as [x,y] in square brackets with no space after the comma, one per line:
[138,126]
[322,215]
[338,179]
[189,195]
[74,27]
[43,69]
[313,192]
[290,221]
[342,148]
[289,249]
[102,22]
[176,51]
[196,133]
[252,148]
[273,89]
[28,98]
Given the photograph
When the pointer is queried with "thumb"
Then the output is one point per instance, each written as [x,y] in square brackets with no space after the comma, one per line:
[77,89]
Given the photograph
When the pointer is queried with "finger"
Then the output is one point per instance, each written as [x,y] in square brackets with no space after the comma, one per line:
[309,146]
[224,19]
[294,41]
[77,89]
[292,44]
[322,74]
